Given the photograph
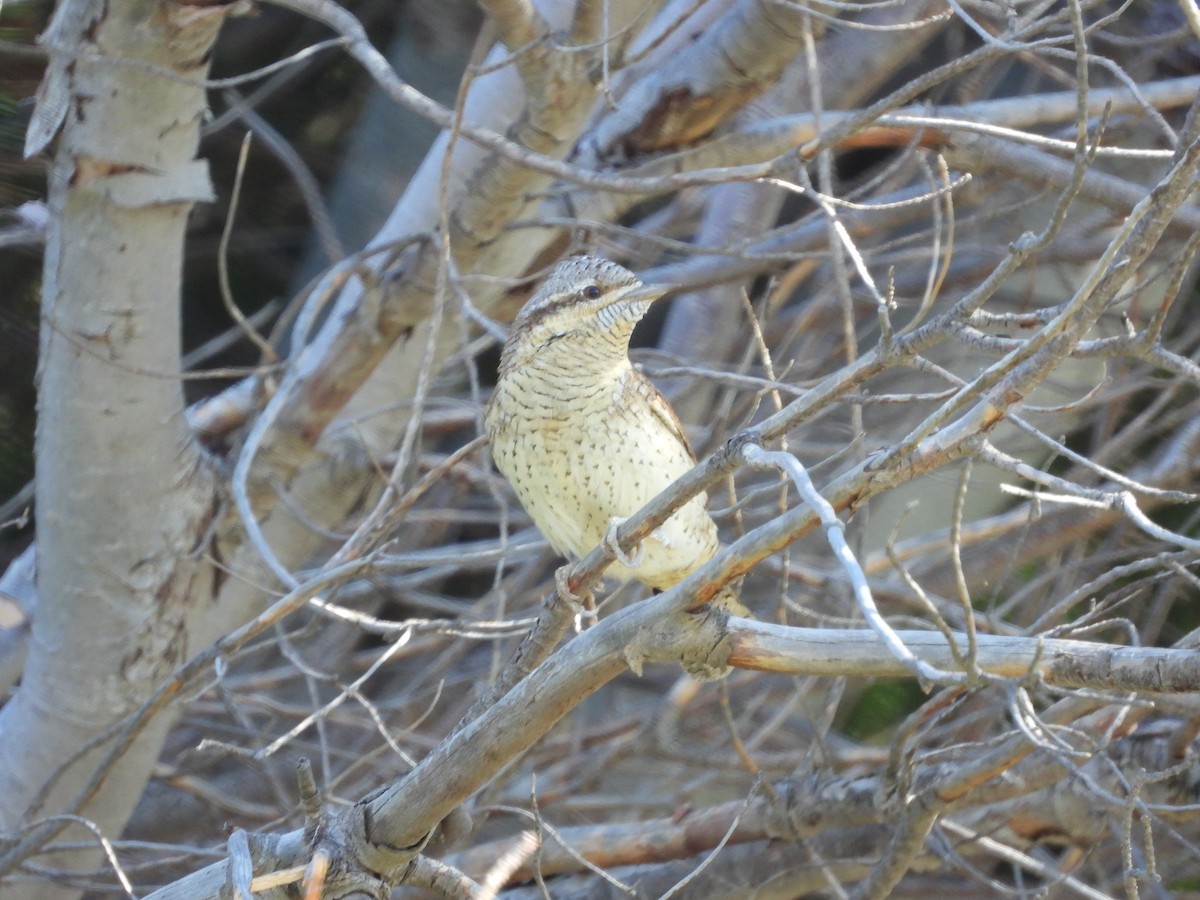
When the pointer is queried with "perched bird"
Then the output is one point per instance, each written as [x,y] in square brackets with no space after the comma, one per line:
[586,439]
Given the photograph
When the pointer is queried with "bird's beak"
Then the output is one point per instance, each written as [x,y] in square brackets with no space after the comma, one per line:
[647,293]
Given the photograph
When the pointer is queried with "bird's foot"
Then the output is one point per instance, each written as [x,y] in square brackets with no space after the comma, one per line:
[628,560]
[582,604]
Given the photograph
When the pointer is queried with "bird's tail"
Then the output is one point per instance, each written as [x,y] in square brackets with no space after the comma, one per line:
[730,599]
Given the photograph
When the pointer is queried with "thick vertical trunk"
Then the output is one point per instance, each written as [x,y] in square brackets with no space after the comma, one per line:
[123,500]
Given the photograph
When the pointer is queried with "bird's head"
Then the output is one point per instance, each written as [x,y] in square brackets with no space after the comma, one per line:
[587,298]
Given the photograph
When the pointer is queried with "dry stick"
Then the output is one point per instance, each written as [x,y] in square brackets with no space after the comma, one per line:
[1008,854]
[443,880]
[907,839]
[1007,382]
[241,866]
[377,66]
[303,177]
[960,577]
[1122,501]
[729,832]
[940,125]
[536,867]
[835,534]
[231,307]
[1062,662]
[266,426]
[360,49]
[110,853]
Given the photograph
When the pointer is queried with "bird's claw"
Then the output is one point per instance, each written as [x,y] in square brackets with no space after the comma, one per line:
[630,560]
[562,585]
[581,603]
[582,606]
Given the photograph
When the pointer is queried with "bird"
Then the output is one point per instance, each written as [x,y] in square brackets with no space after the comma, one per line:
[585,438]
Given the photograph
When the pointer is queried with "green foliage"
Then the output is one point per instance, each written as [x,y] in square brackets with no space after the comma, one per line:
[881,707]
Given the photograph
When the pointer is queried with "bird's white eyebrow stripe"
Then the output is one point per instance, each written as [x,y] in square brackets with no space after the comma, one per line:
[540,312]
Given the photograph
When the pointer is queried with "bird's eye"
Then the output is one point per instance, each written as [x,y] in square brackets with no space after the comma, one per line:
[591,292]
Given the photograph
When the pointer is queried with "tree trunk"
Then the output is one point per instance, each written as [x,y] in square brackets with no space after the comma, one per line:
[124,496]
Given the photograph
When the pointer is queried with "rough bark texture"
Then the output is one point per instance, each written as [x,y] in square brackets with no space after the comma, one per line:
[124,499]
